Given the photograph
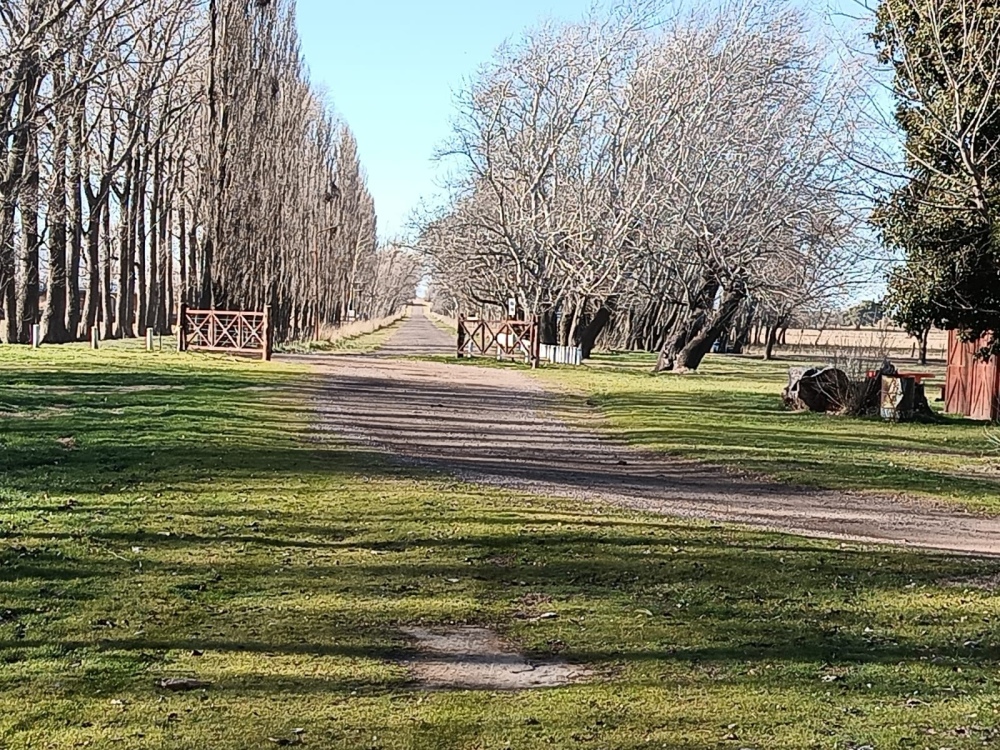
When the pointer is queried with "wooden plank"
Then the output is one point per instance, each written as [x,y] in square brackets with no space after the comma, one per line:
[182,322]
[223,350]
[958,381]
[984,395]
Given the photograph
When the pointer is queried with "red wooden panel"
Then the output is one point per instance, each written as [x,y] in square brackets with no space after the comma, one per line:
[959,375]
[973,386]
[984,393]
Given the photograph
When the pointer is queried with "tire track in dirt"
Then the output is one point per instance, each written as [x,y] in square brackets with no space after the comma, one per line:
[500,427]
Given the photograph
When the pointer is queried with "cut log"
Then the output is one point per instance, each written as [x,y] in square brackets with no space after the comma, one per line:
[818,389]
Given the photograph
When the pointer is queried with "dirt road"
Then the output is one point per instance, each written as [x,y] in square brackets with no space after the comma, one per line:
[501,427]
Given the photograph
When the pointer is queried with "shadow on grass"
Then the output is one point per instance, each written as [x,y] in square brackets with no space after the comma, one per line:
[232,537]
[754,431]
[710,597]
[93,432]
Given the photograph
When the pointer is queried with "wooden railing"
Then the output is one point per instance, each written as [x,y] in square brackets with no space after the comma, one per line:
[498,338]
[233,331]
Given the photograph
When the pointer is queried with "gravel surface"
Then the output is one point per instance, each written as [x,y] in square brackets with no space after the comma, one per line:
[502,427]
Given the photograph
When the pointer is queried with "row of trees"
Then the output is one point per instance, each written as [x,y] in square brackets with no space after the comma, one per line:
[660,185]
[159,151]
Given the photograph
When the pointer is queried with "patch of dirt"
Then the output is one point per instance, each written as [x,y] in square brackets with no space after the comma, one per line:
[470,658]
[989,582]
[94,390]
[44,413]
[503,427]
[534,599]
[533,609]
[508,560]
[989,469]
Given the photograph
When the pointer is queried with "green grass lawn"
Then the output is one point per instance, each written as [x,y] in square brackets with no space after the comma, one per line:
[167,515]
[730,413]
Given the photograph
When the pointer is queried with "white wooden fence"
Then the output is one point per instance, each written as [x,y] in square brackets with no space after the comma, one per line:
[561,355]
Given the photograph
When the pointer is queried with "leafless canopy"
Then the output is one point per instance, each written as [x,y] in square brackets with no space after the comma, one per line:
[678,179]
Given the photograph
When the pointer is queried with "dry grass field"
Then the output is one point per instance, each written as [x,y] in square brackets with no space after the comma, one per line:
[892,342]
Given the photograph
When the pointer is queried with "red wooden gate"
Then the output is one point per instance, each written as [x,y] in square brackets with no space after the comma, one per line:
[500,339]
[225,331]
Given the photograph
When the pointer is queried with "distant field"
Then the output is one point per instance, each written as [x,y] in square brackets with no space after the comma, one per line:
[892,341]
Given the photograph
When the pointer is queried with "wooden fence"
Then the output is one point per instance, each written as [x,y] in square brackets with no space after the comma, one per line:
[561,355]
[502,339]
[231,331]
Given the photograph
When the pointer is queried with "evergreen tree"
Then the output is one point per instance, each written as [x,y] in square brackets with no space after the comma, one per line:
[944,54]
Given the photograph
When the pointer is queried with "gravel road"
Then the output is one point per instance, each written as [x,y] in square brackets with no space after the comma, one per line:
[502,427]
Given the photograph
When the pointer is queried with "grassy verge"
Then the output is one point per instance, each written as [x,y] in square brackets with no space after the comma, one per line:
[166,515]
[730,413]
[443,322]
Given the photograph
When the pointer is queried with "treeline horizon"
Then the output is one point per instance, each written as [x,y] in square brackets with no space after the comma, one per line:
[159,152]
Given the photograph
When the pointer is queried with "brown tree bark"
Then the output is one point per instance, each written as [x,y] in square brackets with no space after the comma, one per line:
[54,317]
[28,310]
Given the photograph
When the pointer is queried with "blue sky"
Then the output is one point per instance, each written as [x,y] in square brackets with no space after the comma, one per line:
[390,67]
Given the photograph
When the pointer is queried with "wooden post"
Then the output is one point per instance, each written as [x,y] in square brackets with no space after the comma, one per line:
[36,336]
[95,338]
[461,336]
[268,337]
[182,327]
[149,339]
[536,342]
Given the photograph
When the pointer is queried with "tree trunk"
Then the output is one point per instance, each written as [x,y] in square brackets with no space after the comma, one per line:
[141,244]
[126,257]
[153,291]
[684,328]
[590,332]
[97,203]
[27,295]
[714,326]
[567,324]
[73,311]
[547,329]
[165,294]
[54,318]
[191,292]
[205,293]
[182,261]
[107,307]
[8,290]
[683,331]
[772,340]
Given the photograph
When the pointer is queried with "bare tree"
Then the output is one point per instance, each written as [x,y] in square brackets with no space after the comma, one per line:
[154,152]
[661,180]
